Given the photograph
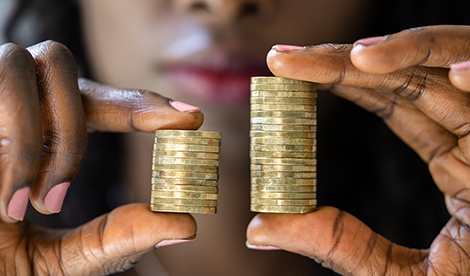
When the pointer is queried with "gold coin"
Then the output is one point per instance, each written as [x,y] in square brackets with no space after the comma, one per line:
[307,148]
[187,195]
[283,121]
[282,209]
[284,188]
[185,147]
[275,100]
[283,202]
[262,181]
[184,202]
[284,114]
[285,161]
[283,134]
[283,168]
[186,154]
[283,87]
[188,133]
[286,128]
[182,209]
[185,161]
[271,79]
[283,141]
[274,93]
[283,154]
[273,174]
[187,141]
[257,194]
[183,181]
[189,175]
[186,188]
[184,168]
[283,107]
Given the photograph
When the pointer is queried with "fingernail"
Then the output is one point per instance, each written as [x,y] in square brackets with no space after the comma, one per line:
[370,41]
[460,67]
[184,107]
[287,48]
[55,197]
[171,242]
[19,203]
[261,247]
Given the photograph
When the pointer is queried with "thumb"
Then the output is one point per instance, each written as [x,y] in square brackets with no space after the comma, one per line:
[115,241]
[333,238]
[459,75]
[120,110]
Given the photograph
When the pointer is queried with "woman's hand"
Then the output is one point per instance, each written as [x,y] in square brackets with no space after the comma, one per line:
[405,79]
[44,117]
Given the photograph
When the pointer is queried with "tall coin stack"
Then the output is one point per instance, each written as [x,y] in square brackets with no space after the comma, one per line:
[185,171]
[283,145]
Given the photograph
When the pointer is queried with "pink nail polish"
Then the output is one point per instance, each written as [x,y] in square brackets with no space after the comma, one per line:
[184,107]
[460,67]
[261,247]
[287,48]
[19,203]
[171,242]
[55,197]
[370,41]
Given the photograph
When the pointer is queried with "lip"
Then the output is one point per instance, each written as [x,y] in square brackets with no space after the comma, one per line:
[216,76]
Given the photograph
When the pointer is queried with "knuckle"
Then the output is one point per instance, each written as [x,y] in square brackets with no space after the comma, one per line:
[338,57]
[15,56]
[422,31]
[386,110]
[336,48]
[459,206]
[338,231]
[53,53]
[414,84]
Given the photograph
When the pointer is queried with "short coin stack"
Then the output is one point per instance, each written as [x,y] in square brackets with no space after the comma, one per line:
[283,145]
[185,171]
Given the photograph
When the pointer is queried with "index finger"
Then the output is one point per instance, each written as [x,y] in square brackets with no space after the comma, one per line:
[120,110]
[20,130]
[429,89]
[434,46]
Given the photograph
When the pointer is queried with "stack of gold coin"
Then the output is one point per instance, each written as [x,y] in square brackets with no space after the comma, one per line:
[283,145]
[185,171]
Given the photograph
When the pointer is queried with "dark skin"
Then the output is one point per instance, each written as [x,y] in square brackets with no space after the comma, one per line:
[44,142]
[406,81]
[414,97]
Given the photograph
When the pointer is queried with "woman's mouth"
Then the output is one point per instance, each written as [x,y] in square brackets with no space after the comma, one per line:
[216,76]
[216,85]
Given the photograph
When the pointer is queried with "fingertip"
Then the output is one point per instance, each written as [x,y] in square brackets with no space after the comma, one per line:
[261,247]
[370,41]
[18,204]
[189,116]
[280,58]
[55,197]
[174,241]
[459,75]
[165,226]
[370,59]
[46,199]
[184,107]
[272,60]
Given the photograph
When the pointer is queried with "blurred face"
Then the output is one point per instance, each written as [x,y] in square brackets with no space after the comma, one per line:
[204,51]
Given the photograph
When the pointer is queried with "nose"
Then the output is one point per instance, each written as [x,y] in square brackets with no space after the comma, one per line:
[228,11]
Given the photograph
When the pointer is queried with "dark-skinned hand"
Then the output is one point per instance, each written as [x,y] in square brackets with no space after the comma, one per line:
[417,81]
[44,117]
